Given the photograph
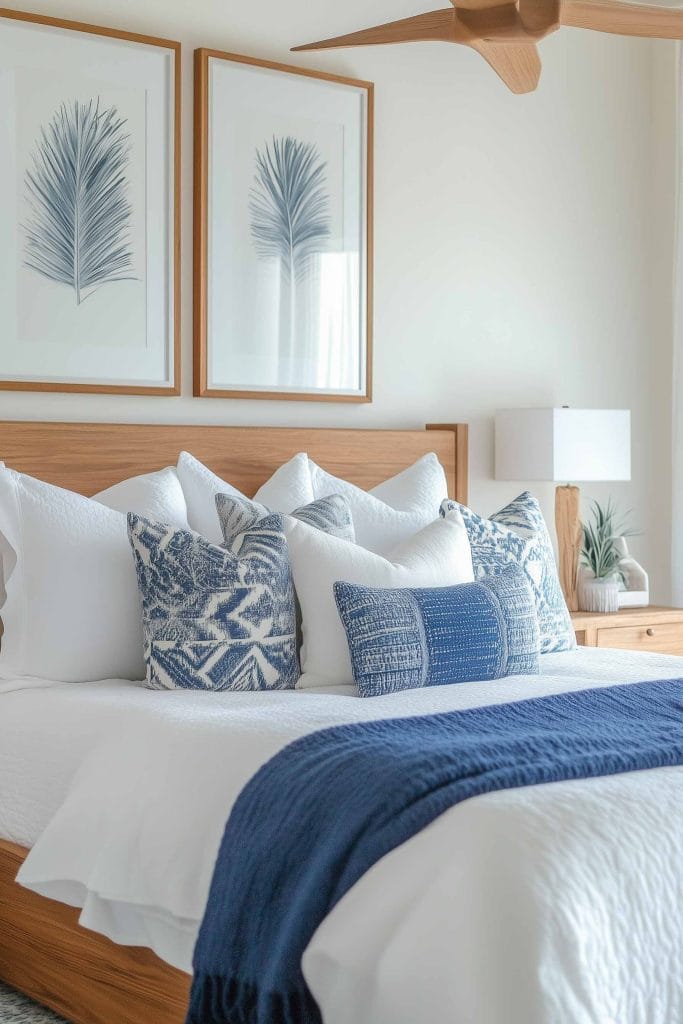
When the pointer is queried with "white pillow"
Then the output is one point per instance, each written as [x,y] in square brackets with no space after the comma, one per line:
[72,610]
[432,558]
[288,488]
[394,510]
[157,496]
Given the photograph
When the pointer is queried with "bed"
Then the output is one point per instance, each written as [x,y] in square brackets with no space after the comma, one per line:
[532,905]
[560,880]
[43,950]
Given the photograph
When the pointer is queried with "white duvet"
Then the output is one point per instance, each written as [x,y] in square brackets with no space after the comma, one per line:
[556,903]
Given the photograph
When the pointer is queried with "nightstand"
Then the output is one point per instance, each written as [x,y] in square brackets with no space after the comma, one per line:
[632,629]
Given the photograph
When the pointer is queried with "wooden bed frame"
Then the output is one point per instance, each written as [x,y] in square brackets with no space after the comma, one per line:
[44,952]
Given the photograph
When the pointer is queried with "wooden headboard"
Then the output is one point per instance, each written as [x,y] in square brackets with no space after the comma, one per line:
[87,457]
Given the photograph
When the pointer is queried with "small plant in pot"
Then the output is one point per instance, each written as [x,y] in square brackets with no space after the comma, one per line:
[602,578]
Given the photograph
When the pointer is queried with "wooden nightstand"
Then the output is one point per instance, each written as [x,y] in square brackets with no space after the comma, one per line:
[632,629]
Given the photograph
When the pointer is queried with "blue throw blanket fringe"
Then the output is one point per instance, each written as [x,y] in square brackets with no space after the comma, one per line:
[318,815]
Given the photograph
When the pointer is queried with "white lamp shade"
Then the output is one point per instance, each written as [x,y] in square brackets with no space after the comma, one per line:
[563,445]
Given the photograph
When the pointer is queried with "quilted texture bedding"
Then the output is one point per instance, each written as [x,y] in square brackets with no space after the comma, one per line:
[529,906]
[356,792]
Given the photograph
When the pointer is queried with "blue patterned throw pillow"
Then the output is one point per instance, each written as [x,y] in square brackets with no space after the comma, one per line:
[404,639]
[216,618]
[332,515]
[517,535]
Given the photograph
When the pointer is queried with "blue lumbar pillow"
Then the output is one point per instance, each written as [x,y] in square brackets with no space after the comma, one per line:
[216,618]
[402,639]
[517,535]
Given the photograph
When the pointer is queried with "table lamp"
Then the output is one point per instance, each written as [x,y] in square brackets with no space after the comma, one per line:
[563,445]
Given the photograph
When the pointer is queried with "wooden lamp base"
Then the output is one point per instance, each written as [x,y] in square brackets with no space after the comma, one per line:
[568,528]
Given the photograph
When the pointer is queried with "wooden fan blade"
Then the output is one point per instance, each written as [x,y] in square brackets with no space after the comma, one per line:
[435,25]
[623,19]
[506,23]
[478,5]
[540,16]
[518,64]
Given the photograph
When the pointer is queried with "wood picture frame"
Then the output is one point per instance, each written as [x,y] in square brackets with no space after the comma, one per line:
[204,386]
[163,345]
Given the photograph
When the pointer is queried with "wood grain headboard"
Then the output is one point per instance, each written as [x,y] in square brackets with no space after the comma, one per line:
[87,457]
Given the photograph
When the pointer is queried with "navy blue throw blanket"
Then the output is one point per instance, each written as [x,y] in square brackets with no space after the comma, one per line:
[318,815]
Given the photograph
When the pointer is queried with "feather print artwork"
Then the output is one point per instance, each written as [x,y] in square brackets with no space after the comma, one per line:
[289,205]
[77,191]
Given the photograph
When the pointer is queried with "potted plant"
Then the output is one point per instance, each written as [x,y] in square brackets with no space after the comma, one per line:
[602,577]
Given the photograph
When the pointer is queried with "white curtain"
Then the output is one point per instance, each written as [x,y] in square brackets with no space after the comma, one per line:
[677,402]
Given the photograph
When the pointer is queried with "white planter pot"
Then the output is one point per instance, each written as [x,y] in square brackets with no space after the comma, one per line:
[599,595]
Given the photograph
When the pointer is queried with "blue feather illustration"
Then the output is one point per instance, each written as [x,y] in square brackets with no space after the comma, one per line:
[289,205]
[78,196]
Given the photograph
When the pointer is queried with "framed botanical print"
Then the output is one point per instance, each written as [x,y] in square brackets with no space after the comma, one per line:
[89,220]
[283,231]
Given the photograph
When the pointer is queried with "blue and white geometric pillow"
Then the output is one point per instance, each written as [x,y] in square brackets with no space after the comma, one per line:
[332,515]
[518,534]
[216,618]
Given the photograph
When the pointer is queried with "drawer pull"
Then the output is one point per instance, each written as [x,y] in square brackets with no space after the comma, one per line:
[650,631]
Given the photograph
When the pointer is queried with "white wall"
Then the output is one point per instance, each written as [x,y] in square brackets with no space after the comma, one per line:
[521,242]
[664,137]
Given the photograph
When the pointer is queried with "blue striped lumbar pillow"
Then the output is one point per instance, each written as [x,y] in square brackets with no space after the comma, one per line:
[402,639]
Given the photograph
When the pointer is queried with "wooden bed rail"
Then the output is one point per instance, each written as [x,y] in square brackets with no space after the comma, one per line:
[45,953]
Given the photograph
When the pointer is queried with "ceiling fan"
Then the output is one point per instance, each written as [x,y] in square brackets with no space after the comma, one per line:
[505,33]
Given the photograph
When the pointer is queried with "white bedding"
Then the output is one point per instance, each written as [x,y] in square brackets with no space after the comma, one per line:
[553,903]
[47,729]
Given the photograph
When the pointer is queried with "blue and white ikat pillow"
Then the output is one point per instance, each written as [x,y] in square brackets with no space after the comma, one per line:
[216,618]
[332,515]
[518,535]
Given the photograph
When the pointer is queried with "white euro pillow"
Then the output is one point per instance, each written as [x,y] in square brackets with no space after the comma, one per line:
[288,488]
[71,610]
[68,593]
[434,557]
[156,496]
[394,510]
